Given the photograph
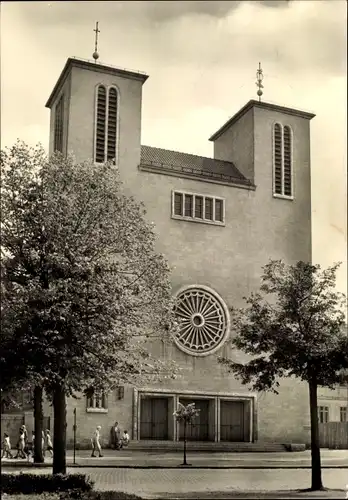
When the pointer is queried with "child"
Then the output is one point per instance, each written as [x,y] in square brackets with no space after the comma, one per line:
[6,450]
[49,445]
[95,442]
[125,439]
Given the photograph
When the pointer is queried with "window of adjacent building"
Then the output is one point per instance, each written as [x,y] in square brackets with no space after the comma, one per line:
[197,207]
[282,161]
[96,401]
[343,414]
[58,125]
[323,414]
[106,124]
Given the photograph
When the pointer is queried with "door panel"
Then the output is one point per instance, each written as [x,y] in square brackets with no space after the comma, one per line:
[199,429]
[232,421]
[154,418]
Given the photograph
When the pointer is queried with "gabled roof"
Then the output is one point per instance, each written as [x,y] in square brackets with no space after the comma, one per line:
[163,160]
[264,105]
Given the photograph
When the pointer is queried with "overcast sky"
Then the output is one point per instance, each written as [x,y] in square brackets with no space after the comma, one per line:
[202,59]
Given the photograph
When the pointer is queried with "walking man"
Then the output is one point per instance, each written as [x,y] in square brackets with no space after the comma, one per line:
[96,442]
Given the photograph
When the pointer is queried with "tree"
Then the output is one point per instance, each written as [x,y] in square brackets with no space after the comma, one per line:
[82,278]
[293,327]
[186,414]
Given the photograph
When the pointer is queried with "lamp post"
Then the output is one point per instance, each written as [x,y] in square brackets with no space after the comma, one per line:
[74,429]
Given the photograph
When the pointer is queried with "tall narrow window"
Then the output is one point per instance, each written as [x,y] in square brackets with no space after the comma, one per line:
[282,153]
[100,125]
[218,210]
[287,161]
[188,205]
[112,122]
[209,208]
[106,124]
[278,159]
[199,207]
[58,125]
[178,204]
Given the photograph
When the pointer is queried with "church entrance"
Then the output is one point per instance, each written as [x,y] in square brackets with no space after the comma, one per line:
[232,416]
[154,418]
[199,429]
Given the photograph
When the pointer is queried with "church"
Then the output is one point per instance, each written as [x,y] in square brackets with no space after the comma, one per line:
[218,221]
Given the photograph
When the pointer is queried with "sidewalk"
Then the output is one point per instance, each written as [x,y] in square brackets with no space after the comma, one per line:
[203,460]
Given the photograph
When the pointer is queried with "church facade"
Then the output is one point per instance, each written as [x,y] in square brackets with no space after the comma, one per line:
[218,221]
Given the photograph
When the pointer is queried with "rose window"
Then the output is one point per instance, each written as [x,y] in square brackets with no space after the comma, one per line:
[203,319]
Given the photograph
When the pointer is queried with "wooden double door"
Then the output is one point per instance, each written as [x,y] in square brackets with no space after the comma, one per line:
[232,419]
[154,418]
[199,429]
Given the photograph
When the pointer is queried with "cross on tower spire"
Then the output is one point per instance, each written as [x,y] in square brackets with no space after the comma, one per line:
[259,77]
[95,53]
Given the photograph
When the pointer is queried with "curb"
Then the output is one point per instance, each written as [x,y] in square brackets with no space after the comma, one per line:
[211,467]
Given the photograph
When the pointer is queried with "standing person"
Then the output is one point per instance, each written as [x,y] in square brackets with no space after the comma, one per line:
[116,436]
[49,445]
[21,444]
[6,450]
[96,442]
[125,439]
[26,444]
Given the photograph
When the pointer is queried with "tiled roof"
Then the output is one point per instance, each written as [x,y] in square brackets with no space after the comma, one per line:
[164,159]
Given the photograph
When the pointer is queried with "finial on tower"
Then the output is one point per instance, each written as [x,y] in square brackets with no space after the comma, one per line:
[259,77]
[95,53]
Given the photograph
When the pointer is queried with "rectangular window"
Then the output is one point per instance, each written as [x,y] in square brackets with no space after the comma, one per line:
[188,205]
[178,204]
[218,210]
[198,207]
[343,414]
[96,401]
[58,125]
[323,414]
[208,208]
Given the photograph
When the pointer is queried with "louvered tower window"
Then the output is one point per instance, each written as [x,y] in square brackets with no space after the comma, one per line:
[278,159]
[106,124]
[100,125]
[282,160]
[287,162]
[58,125]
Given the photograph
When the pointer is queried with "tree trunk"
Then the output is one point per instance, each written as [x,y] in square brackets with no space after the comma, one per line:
[38,426]
[315,445]
[59,436]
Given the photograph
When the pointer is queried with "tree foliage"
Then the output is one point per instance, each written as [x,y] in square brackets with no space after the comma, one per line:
[82,285]
[294,327]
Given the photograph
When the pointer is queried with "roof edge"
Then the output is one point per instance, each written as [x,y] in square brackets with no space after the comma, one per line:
[87,64]
[265,105]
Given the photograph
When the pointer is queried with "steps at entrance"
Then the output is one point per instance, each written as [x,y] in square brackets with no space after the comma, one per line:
[173,446]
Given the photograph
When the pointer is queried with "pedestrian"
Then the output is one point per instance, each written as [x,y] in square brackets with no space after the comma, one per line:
[125,439]
[96,442]
[6,447]
[116,436]
[21,444]
[49,445]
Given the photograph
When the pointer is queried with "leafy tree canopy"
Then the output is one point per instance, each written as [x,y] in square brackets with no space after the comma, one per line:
[295,326]
[82,285]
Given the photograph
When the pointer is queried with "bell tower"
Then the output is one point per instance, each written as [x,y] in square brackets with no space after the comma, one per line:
[96,112]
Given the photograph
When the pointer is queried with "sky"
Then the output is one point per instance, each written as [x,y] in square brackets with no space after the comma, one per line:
[202,58]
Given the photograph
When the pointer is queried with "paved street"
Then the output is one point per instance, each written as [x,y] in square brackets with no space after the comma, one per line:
[141,459]
[172,483]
